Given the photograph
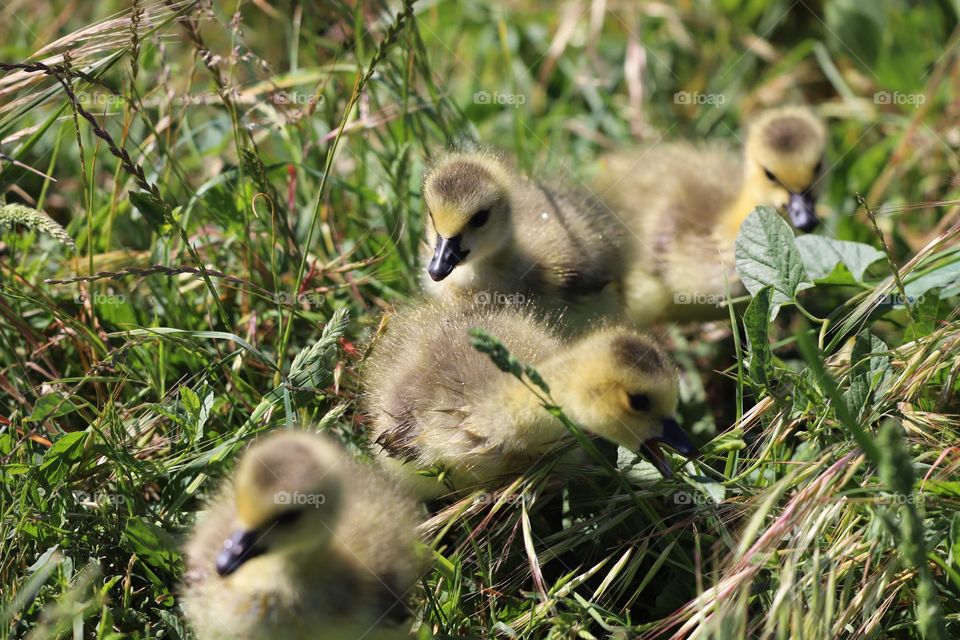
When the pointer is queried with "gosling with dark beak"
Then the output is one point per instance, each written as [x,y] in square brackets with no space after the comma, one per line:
[480,424]
[529,240]
[303,543]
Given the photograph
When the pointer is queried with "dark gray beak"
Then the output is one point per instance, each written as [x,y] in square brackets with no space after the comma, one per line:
[675,438]
[802,210]
[237,549]
[446,256]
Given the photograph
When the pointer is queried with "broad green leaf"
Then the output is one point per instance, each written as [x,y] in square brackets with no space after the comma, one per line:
[871,359]
[637,470]
[930,312]
[839,276]
[767,255]
[153,544]
[870,371]
[756,321]
[821,255]
[856,396]
[949,488]
[190,401]
[856,27]
[66,451]
[51,405]
[945,277]
[730,440]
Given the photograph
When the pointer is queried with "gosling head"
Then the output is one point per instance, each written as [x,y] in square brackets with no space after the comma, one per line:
[784,158]
[467,198]
[287,488]
[626,391]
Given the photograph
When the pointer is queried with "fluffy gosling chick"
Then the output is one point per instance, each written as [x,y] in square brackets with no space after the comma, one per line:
[435,400]
[305,544]
[493,234]
[685,203]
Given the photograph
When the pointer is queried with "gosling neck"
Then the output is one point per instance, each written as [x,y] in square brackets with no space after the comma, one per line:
[307,560]
[520,421]
[737,211]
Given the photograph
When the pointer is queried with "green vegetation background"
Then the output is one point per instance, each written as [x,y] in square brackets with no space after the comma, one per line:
[232,173]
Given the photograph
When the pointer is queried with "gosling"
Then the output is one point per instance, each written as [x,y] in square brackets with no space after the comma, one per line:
[436,402]
[305,544]
[496,236]
[685,203]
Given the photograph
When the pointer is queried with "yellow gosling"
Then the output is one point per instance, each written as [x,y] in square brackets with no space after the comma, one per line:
[435,400]
[303,544]
[685,203]
[496,236]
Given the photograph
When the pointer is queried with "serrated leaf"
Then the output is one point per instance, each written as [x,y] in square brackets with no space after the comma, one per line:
[767,255]
[856,396]
[821,255]
[190,401]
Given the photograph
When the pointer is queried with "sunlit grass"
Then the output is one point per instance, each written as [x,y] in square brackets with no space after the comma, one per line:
[231,181]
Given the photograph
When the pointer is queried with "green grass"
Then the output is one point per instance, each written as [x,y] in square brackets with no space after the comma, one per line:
[231,180]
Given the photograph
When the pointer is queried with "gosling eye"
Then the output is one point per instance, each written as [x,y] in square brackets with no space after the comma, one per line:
[480,218]
[287,517]
[769,174]
[639,401]
[819,166]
